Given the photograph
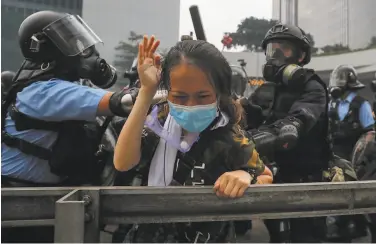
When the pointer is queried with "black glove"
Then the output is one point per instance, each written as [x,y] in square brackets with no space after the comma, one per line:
[115,101]
[280,136]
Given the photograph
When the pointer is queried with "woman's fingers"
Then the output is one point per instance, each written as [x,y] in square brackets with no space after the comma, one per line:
[149,46]
[242,190]
[235,191]
[154,48]
[157,61]
[145,43]
[141,56]
[146,51]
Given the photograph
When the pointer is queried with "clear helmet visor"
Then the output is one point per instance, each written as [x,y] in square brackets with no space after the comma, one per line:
[338,78]
[281,51]
[182,143]
[71,35]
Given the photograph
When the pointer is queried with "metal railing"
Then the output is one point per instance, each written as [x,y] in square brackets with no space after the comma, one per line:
[78,214]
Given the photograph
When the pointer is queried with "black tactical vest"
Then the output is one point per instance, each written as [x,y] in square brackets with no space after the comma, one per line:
[73,155]
[345,133]
[312,153]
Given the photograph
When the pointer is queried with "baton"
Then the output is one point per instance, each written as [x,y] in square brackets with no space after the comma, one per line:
[197,23]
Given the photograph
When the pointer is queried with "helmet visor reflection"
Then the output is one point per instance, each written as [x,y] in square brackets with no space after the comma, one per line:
[71,35]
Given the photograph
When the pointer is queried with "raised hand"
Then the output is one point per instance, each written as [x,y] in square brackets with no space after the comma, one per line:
[149,65]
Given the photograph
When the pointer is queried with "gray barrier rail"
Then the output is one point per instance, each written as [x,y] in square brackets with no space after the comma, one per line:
[79,214]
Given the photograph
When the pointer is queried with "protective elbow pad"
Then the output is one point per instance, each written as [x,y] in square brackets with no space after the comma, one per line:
[115,101]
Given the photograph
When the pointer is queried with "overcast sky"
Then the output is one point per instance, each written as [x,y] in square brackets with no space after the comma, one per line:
[219,16]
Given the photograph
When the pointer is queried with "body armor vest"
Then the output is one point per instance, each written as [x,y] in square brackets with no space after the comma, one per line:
[311,155]
[73,155]
[345,133]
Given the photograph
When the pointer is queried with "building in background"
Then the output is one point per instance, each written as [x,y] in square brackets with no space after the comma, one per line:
[347,22]
[13,12]
[285,11]
[113,21]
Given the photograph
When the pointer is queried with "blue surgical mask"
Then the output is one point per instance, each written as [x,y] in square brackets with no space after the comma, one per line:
[193,118]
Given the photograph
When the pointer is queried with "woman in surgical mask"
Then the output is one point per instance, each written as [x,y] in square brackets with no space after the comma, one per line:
[198,116]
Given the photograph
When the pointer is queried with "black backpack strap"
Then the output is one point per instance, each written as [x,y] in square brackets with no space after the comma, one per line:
[24,122]
[25,146]
[11,141]
[355,106]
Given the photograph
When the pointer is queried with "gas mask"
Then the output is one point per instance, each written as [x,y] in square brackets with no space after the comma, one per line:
[336,92]
[281,64]
[95,68]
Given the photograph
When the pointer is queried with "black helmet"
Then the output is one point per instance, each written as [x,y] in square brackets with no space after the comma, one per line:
[291,33]
[47,35]
[34,44]
[345,76]
[6,80]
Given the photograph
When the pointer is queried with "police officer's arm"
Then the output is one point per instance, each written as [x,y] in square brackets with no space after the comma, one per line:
[59,100]
[245,157]
[303,115]
[366,116]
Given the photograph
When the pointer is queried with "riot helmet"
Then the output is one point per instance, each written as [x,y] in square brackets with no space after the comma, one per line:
[61,41]
[287,49]
[343,78]
[295,35]
[238,81]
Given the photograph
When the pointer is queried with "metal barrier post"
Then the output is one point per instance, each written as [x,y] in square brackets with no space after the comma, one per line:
[70,219]
[91,199]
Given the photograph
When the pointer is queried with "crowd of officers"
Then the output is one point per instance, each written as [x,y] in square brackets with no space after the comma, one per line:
[295,128]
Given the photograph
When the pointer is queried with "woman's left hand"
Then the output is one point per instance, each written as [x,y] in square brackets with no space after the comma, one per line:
[232,184]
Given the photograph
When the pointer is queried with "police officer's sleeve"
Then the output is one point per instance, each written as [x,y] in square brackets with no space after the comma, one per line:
[59,100]
[308,109]
[244,156]
[283,134]
[366,115]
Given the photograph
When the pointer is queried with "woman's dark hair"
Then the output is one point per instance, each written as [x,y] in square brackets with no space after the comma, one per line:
[210,60]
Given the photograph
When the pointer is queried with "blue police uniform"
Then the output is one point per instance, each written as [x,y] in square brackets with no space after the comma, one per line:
[54,100]
[365,111]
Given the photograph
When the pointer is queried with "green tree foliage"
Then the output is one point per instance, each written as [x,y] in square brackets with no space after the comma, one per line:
[336,48]
[127,51]
[312,41]
[251,31]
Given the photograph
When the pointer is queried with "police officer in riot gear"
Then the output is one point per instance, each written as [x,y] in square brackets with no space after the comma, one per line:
[350,115]
[294,129]
[49,133]
[6,82]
